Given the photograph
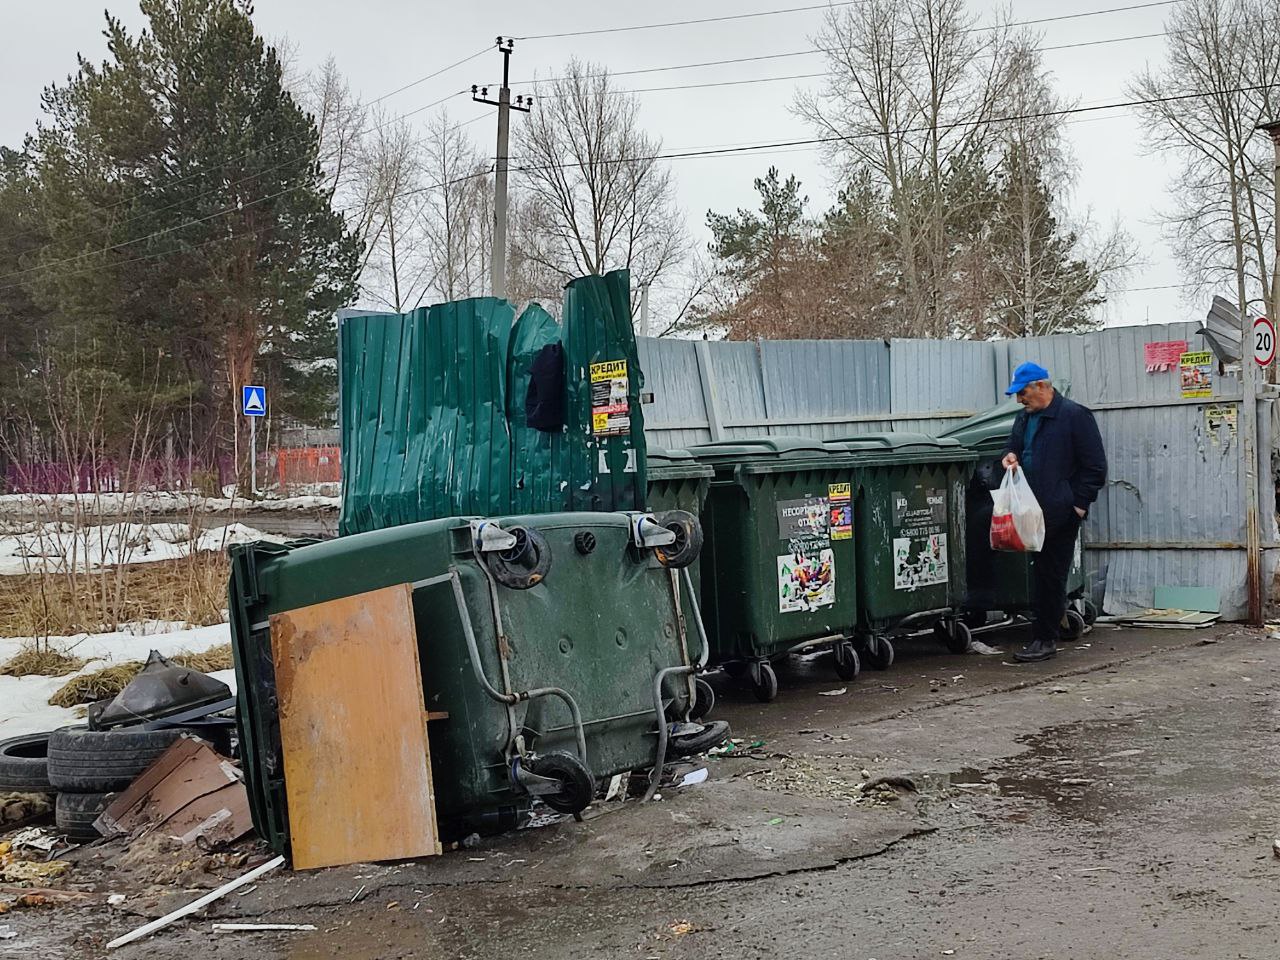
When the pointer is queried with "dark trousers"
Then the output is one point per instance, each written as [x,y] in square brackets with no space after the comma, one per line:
[1049,569]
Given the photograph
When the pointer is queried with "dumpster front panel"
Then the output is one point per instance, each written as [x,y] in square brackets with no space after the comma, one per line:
[911,534]
[783,572]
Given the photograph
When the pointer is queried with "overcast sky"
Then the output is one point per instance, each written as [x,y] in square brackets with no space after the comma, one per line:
[384,44]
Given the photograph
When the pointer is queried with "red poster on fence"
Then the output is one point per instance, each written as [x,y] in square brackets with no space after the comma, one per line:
[1163,355]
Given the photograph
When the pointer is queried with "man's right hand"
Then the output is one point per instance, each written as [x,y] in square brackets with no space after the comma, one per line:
[1010,461]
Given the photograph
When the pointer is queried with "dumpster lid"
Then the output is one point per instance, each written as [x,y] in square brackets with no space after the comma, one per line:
[664,463]
[760,448]
[902,444]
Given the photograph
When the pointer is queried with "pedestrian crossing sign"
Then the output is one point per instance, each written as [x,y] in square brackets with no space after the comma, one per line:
[253,401]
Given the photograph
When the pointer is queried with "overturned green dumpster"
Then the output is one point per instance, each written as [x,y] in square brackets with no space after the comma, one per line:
[553,651]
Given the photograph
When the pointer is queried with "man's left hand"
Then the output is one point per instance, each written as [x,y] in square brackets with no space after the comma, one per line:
[1080,513]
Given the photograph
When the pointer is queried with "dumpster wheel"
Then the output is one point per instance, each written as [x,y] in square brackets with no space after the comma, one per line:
[526,564]
[711,735]
[1088,610]
[688,542]
[764,682]
[1073,625]
[577,786]
[954,635]
[704,700]
[878,652]
[848,665]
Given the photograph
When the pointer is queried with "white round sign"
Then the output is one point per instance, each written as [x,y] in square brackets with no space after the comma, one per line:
[1264,341]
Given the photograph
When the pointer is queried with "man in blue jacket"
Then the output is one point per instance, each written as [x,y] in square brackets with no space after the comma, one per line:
[1057,444]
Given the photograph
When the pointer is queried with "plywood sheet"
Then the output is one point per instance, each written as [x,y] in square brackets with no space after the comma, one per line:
[353,729]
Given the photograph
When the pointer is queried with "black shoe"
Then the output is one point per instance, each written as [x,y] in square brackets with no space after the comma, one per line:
[1037,650]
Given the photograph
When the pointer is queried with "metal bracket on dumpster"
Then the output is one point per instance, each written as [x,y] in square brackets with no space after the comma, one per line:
[488,536]
[647,533]
[532,783]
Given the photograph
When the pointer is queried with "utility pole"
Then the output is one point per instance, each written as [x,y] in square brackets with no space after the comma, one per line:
[498,258]
[1273,129]
[644,309]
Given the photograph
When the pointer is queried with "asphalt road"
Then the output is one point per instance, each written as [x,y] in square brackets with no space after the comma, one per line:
[1118,802]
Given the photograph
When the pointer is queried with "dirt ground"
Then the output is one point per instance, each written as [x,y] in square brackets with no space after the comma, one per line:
[1118,802]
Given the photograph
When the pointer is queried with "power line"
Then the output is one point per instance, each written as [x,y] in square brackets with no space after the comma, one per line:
[699,152]
[822,6]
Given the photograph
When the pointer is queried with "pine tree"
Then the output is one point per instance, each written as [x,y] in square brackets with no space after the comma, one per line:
[183,179]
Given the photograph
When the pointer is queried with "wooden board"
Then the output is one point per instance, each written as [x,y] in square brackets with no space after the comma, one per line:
[353,728]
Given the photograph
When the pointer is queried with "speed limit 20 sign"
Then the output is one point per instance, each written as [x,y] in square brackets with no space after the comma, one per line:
[1264,341]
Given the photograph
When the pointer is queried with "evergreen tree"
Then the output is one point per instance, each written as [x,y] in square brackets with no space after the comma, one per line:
[187,212]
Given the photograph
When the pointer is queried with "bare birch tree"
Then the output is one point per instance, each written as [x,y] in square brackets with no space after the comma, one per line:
[457,216]
[1227,54]
[593,196]
[916,87]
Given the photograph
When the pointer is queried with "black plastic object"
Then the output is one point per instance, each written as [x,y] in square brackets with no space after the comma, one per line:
[544,401]
[577,786]
[524,565]
[711,735]
[24,764]
[161,689]
[688,542]
[584,541]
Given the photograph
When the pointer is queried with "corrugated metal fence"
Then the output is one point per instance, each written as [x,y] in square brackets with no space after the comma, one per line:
[1173,509]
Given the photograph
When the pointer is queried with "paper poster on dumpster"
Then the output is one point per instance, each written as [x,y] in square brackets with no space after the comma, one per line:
[841,522]
[805,524]
[610,404]
[1197,374]
[806,581]
[920,539]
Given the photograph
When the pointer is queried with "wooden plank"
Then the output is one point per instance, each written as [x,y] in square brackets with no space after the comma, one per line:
[353,729]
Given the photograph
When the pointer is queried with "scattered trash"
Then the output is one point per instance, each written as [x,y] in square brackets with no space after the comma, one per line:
[6,932]
[1058,690]
[356,896]
[833,693]
[34,838]
[20,808]
[1205,641]
[948,953]
[1275,848]
[735,748]
[255,927]
[30,871]
[982,649]
[116,899]
[194,905]
[681,927]
[615,787]
[190,791]
[692,777]
[470,841]
[775,821]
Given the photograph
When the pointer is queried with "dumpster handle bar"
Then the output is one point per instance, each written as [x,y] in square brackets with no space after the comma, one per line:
[660,757]
[510,699]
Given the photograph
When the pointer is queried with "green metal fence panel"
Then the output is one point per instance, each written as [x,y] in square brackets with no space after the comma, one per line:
[433,410]
[604,421]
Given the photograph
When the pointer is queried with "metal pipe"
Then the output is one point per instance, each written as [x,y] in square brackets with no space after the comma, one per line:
[660,759]
[510,699]
[697,618]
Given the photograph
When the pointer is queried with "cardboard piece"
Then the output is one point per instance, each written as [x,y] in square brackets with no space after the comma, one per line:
[189,792]
[353,730]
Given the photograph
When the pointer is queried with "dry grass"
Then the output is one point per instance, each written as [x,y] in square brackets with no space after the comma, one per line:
[191,590]
[38,660]
[107,682]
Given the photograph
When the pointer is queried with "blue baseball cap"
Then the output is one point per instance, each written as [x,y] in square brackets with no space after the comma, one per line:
[1025,375]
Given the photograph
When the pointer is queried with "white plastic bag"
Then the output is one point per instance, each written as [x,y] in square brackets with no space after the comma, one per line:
[1017,522]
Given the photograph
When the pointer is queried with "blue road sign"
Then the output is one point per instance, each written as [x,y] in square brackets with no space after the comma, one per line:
[253,401]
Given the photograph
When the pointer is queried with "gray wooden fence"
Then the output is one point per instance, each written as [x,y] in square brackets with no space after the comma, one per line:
[1172,512]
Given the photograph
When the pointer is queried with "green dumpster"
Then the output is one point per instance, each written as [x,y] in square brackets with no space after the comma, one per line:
[778,560]
[998,580]
[677,481]
[909,537]
[579,682]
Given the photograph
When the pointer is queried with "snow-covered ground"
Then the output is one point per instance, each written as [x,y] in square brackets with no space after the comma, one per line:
[322,496]
[24,701]
[58,545]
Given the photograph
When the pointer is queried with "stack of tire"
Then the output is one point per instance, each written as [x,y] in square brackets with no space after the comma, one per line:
[85,768]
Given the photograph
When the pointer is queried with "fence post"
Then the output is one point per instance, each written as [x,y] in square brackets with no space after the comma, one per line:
[710,398]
